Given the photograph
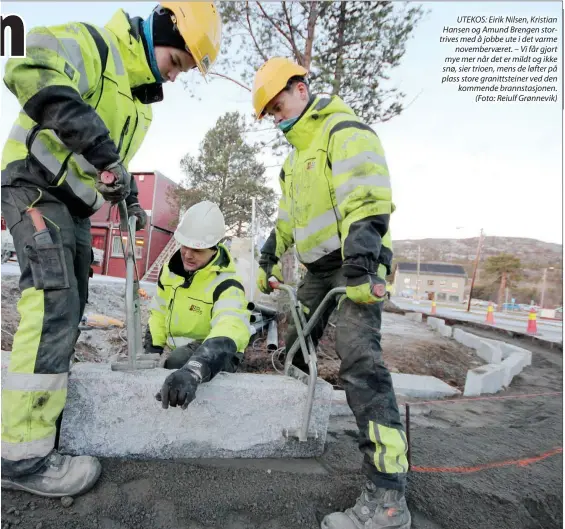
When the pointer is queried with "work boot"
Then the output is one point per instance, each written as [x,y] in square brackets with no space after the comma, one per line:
[61,476]
[374,509]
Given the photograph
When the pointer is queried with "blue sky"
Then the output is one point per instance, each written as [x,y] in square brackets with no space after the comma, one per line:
[454,162]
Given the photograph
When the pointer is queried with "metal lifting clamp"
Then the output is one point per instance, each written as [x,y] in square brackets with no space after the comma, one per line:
[305,343]
[137,359]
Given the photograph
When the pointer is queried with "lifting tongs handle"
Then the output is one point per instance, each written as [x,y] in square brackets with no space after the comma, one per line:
[108,178]
[274,282]
[133,320]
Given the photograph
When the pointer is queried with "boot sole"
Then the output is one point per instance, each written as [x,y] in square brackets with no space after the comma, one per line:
[8,484]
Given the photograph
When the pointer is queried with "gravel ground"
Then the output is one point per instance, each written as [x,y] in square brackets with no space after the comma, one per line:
[265,494]
[408,347]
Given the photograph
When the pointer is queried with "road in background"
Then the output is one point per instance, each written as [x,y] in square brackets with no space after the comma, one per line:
[516,322]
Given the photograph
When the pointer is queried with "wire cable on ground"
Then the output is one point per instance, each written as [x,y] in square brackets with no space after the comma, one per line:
[277,352]
[485,466]
[497,464]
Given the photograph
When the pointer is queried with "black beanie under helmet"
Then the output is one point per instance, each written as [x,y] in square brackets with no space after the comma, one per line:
[164,31]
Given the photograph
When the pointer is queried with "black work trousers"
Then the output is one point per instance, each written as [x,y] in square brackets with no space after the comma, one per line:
[366,379]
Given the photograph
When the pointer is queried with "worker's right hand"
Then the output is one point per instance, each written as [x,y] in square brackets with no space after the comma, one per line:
[119,189]
[268,269]
[179,389]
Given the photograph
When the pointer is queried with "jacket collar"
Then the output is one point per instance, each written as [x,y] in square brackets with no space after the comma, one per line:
[221,262]
[133,50]
[306,129]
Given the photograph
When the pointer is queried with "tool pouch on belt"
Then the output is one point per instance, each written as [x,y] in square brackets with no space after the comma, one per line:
[48,267]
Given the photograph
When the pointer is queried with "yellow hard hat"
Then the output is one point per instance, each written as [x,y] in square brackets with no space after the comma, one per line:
[270,79]
[200,25]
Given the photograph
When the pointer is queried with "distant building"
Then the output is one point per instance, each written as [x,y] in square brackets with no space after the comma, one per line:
[446,282]
[163,216]
[108,245]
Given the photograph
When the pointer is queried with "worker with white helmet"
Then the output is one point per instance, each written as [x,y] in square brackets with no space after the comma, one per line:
[85,93]
[200,310]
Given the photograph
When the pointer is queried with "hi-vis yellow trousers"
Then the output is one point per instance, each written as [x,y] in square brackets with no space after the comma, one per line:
[54,286]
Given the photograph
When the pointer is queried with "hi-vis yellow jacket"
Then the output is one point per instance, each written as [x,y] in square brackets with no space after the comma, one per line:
[336,195]
[197,306]
[85,94]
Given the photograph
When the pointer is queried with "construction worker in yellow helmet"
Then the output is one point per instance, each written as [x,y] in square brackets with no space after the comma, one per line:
[335,208]
[85,93]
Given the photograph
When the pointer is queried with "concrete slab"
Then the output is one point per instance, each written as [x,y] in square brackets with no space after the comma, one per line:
[421,386]
[508,350]
[414,316]
[415,386]
[489,378]
[115,414]
[467,339]
[446,331]
[514,364]
[490,352]
[435,323]
[340,408]
[439,326]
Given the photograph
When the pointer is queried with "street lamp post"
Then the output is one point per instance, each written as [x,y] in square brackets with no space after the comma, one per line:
[543,284]
[418,276]
[475,269]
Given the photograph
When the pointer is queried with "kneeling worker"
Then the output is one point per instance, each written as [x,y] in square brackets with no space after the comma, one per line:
[200,309]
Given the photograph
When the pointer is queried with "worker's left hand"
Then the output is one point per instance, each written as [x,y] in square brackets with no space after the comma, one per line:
[268,268]
[179,389]
[141,216]
[366,289]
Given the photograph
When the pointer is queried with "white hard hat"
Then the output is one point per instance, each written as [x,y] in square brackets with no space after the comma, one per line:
[202,226]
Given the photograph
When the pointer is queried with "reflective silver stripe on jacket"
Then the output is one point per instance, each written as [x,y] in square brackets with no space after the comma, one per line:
[18,133]
[376,180]
[219,279]
[340,167]
[158,304]
[327,247]
[118,64]
[316,224]
[178,341]
[230,313]
[87,194]
[283,215]
[45,157]
[68,48]
[224,304]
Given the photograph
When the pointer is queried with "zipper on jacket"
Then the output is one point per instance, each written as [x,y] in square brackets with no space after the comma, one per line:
[134,129]
[123,134]
[292,214]
[172,302]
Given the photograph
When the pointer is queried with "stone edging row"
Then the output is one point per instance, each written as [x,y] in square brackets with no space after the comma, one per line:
[504,361]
